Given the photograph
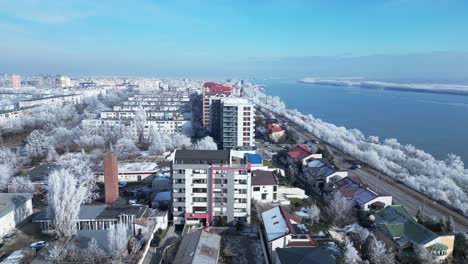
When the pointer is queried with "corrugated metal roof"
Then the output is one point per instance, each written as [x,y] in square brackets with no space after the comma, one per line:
[275,224]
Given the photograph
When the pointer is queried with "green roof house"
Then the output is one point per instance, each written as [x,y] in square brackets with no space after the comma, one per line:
[399,229]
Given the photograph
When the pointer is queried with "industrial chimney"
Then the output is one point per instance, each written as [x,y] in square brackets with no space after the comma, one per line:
[111,178]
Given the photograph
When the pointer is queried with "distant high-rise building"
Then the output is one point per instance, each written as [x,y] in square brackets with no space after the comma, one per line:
[63,81]
[212,91]
[16,81]
[233,123]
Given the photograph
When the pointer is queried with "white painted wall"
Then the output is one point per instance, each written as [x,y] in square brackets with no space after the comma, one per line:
[264,189]
[14,217]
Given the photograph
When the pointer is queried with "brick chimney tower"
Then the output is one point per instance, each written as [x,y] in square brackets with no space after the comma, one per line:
[111,178]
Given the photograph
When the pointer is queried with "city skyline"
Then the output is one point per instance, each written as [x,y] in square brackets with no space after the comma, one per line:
[209,38]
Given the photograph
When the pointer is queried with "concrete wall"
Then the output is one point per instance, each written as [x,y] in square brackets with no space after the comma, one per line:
[265,189]
[15,217]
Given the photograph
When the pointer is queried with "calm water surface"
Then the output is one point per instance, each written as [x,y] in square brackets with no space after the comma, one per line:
[436,123]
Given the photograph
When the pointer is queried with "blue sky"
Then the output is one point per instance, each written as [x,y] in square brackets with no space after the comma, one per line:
[225,37]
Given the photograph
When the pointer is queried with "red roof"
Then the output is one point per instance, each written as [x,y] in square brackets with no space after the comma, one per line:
[217,88]
[288,217]
[299,151]
[276,129]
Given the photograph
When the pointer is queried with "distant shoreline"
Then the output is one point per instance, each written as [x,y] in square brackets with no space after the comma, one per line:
[410,87]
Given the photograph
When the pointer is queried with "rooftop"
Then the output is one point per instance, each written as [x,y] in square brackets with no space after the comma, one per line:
[278,222]
[318,168]
[261,177]
[299,151]
[254,158]
[189,156]
[396,222]
[138,166]
[355,191]
[305,255]
[100,211]
[199,247]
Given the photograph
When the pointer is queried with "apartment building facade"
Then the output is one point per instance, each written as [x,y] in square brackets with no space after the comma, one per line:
[236,124]
[164,111]
[210,186]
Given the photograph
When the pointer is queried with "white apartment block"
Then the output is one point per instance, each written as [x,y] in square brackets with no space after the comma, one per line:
[163,126]
[210,186]
[56,100]
[163,112]
[237,123]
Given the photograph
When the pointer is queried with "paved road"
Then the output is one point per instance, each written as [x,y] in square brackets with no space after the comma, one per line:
[385,185]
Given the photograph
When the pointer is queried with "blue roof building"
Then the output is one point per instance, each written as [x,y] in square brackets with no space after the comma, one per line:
[254,159]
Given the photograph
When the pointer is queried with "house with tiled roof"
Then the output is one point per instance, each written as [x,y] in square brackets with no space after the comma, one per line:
[300,154]
[399,230]
[361,196]
[282,229]
[275,132]
[322,176]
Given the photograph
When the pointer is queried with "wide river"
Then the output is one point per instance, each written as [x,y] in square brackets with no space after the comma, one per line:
[435,123]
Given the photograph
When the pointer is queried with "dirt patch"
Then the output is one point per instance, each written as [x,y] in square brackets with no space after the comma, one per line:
[240,248]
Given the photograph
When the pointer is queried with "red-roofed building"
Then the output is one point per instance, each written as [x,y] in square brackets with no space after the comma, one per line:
[212,92]
[299,152]
[275,132]
[215,88]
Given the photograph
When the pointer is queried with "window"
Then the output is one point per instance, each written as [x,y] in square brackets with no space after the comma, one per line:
[264,196]
[256,189]
[275,188]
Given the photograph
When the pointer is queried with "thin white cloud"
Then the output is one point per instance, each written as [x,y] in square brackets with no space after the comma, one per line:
[47,11]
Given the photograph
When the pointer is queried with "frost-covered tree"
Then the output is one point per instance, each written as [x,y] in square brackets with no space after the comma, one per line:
[206,143]
[65,196]
[350,254]
[52,155]
[180,141]
[157,148]
[62,137]
[313,213]
[90,138]
[450,224]
[153,134]
[422,255]
[339,210]
[378,252]
[6,172]
[140,121]
[8,158]
[37,144]
[20,184]
[118,239]
[359,234]
[125,147]
[93,251]
[80,166]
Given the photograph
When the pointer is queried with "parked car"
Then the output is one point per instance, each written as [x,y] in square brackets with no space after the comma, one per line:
[122,184]
[9,236]
[155,242]
[39,245]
